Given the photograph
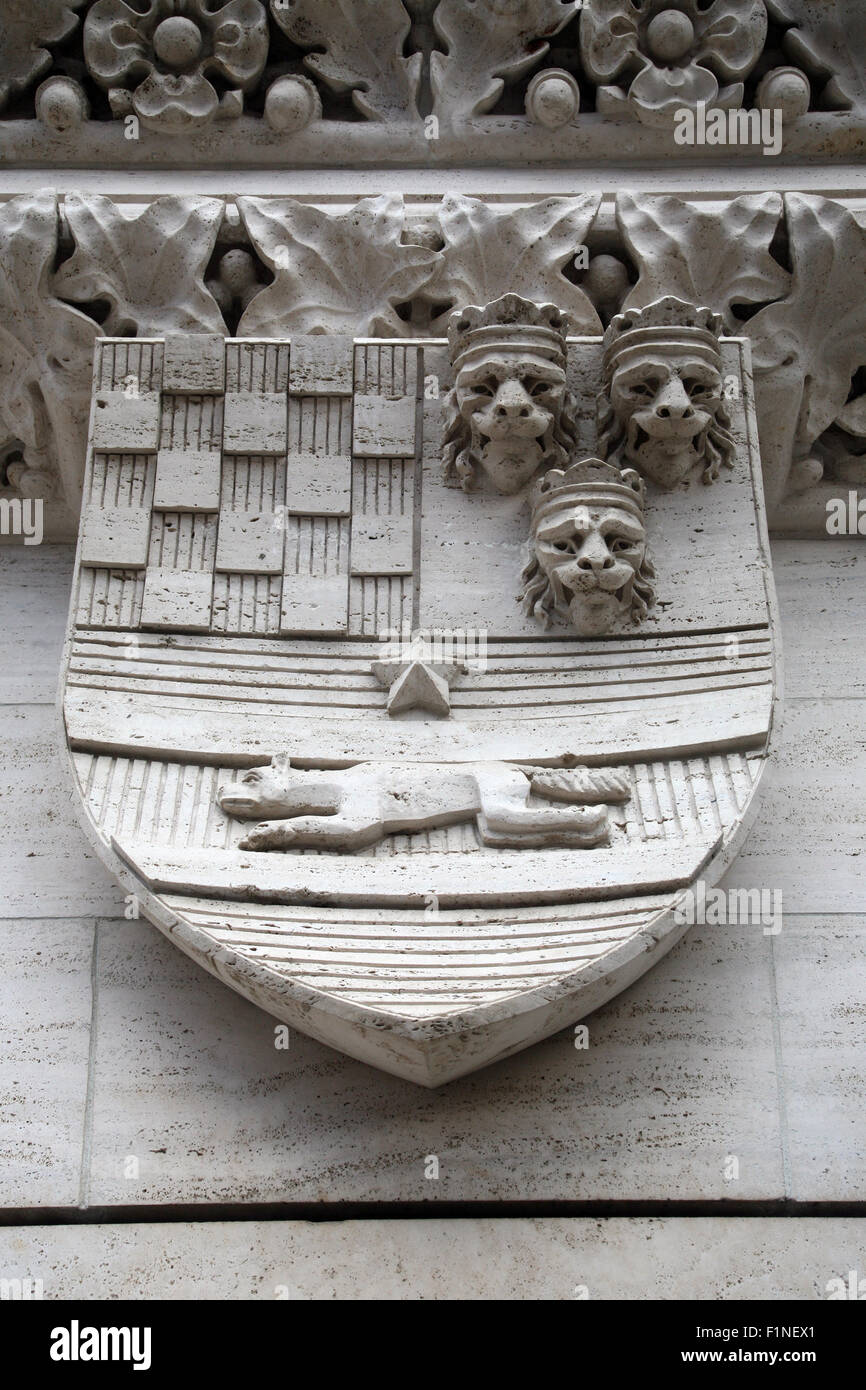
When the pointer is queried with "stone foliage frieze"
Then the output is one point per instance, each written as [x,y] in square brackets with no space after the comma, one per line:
[192,82]
[777,269]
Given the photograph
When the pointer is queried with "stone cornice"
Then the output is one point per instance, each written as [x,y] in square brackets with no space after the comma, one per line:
[428,83]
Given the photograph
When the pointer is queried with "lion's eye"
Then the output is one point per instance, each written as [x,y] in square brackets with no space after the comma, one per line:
[562,546]
[619,544]
[695,387]
[643,389]
[251,778]
[483,388]
[541,388]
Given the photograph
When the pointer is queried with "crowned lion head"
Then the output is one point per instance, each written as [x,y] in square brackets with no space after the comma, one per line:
[588,565]
[662,410]
[510,412]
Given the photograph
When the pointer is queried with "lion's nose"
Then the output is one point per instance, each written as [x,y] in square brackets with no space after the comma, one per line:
[673,403]
[596,562]
[512,402]
[594,555]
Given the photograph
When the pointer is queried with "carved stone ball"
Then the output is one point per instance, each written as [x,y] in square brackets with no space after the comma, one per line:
[552,98]
[31,482]
[669,36]
[177,42]
[786,90]
[291,104]
[422,231]
[606,283]
[237,271]
[61,104]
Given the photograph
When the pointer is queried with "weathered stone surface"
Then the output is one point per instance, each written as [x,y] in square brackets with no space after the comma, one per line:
[45,1019]
[194,362]
[48,868]
[819,871]
[187,480]
[384,428]
[821,1036]
[319,484]
[679,1073]
[321,365]
[250,542]
[116,537]
[154,994]
[126,423]
[35,583]
[254,423]
[704,1258]
[177,598]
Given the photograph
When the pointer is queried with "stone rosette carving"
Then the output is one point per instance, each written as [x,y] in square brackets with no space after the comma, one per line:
[589,566]
[509,412]
[662,410]
[157,63]
[416,82]
[669,56]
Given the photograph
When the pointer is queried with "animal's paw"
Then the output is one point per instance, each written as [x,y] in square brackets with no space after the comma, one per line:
[265,835]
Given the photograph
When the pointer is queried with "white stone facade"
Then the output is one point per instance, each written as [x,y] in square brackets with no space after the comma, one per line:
[308,174]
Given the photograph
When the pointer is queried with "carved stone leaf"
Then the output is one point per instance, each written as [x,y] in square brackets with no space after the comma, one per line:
[150,268]
[363,51]
[25,27]
[339,274]
[488,250]
[46,347]
[489,42]
[713,258]
[830,36]
[821,324]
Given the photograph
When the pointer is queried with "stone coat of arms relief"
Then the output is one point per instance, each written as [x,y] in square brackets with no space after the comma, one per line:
[422,652]
[410,685]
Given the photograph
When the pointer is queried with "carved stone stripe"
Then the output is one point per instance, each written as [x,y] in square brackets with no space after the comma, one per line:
[301,675]
[339,656]
[299,688]
[454,929]
[121,719]
[522,876]
[158,801]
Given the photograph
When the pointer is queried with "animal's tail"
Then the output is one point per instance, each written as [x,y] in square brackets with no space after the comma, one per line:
[589,785]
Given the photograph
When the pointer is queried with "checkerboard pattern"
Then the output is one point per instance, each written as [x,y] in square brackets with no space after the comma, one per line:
[251,487]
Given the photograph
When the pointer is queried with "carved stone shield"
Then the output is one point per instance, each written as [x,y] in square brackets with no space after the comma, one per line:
[411,688]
